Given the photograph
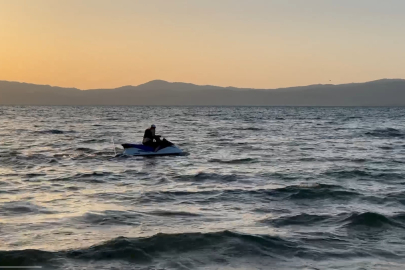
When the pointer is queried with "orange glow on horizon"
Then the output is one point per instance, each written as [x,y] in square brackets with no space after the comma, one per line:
[264,44]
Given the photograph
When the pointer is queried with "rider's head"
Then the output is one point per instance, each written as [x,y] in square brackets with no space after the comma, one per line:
[153,127]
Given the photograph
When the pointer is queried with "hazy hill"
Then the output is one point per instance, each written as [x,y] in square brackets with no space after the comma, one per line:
[386,92]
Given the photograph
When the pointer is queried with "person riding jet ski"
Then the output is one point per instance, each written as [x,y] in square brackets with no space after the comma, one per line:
[151,145]
[150,139]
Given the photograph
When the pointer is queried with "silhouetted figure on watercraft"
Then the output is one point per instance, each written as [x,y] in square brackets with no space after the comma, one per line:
[150,139]
[153,140]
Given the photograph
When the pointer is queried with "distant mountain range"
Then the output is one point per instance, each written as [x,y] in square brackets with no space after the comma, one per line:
[386,92]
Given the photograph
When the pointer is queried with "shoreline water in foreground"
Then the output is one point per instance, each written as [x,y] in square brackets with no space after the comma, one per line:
[261,188]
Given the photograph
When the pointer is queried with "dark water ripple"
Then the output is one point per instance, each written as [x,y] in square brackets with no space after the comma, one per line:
[260,188]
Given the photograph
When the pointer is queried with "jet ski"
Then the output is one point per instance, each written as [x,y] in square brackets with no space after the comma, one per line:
[166,148]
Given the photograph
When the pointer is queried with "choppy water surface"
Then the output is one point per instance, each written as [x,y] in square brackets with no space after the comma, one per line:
[261,188]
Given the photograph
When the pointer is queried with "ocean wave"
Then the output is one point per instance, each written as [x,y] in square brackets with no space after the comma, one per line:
[347,173]
[318,191]
[351,118]
[203,248]
[92,174]
[294,192]
[397,196]
[165,213]
[234,161]
[144,250]
[53,131]
[348,220]
[14,258]
[25,160]
[109,218]
[85,149]
[23,208]
[230,243]
[386,133]
[202,176]
[89,177]
[297,220]
[89,155]
[373,220]
[96,140]
[249,128]
[31,175]
[385,147]
[363,174]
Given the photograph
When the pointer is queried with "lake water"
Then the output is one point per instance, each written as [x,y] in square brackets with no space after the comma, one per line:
[260,188]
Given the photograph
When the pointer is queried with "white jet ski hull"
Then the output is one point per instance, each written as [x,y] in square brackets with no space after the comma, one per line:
[141,150]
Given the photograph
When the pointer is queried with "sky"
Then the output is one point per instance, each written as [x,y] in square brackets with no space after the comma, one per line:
[257,43]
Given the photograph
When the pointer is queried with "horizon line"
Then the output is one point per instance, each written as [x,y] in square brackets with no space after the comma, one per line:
[210,85]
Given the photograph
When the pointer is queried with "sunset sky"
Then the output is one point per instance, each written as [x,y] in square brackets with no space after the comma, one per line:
[256,43]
